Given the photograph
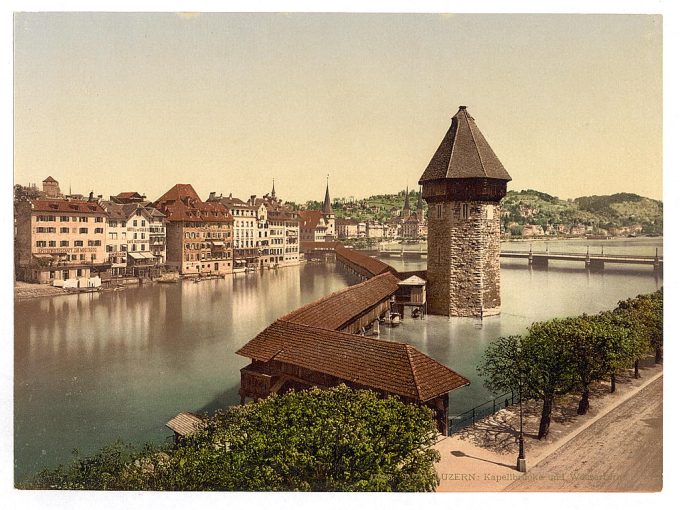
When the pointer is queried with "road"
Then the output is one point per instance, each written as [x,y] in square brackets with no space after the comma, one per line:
[620,452]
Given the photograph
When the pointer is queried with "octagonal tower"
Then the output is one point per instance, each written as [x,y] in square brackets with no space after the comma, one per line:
[463,185]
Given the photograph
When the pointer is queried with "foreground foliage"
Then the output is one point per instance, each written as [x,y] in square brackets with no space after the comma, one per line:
[320,440]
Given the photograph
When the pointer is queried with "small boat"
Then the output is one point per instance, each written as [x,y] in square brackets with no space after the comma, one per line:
[395,319]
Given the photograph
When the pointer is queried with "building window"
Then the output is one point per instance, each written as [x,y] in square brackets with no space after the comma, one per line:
[134,223]
[83,219]
[439,211]
[98,230]
[113,224]
[143,247]
[464,211]
[52,244]
[63,218]
[143,223]
[98,219]
[63,243]
[63,230]
[41,244]
[77,243]
[134,247]
[83,230]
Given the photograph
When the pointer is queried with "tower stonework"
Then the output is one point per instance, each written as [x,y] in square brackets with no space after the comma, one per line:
[463,185]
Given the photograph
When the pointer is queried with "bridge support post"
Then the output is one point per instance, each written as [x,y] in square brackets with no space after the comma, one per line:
[595,265]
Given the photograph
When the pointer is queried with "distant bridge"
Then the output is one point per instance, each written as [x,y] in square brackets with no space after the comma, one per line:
[541,259]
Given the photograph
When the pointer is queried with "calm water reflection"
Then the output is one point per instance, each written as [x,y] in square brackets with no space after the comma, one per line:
[93,368]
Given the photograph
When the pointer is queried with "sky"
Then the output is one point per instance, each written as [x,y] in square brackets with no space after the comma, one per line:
[110,102]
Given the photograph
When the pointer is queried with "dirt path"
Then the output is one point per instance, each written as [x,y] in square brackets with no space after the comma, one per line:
[622,451]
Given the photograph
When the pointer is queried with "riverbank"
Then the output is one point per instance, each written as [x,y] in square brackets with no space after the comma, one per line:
[483,457]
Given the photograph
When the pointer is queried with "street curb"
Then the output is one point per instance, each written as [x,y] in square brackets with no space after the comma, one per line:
[562,441]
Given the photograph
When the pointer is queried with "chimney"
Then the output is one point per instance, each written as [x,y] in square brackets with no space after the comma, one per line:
[212,195]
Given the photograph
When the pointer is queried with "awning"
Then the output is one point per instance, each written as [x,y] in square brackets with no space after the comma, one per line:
[135,255]
[217,243]
[146,255]
[42,256]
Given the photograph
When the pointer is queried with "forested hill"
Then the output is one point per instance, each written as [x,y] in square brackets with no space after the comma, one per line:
[602,212]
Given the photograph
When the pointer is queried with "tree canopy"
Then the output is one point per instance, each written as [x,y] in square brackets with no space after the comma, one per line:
[321,440]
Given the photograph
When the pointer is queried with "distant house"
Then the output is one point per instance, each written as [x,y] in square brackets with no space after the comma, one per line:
[346,228]
[529,230]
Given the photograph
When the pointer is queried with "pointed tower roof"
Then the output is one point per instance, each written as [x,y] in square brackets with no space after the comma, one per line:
[407,207]
[419,205]
[464,153]
[326,208]
[273,190]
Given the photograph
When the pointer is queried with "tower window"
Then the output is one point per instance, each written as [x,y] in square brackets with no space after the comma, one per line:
[439,211]
[464,211]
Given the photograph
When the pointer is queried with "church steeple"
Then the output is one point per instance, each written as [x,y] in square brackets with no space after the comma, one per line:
[273,190]
[326,208]
[406,210]
[420,213]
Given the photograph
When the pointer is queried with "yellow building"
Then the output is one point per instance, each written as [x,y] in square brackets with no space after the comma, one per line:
[59,239]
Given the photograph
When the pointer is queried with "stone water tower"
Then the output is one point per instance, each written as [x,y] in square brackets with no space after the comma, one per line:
[463,185]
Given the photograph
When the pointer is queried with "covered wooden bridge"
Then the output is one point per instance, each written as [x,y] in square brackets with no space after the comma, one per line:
[290,355]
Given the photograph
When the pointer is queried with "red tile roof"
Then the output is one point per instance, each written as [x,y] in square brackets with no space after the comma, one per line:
[394,367]
[373,266]
[182,203]
[67,206]
[129,194]
[464,153]
[344,306]
[310,219]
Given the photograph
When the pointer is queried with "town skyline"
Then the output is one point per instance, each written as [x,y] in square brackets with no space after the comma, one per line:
[111,102]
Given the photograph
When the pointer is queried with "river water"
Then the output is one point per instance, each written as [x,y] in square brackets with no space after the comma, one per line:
[93,368]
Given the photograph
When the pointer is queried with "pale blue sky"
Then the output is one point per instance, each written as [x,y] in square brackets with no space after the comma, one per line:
[571,104]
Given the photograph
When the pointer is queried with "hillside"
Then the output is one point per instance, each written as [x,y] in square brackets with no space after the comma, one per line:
[605,212]
[618,213]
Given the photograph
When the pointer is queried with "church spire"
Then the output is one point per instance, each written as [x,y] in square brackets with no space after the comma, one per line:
[273,190]
[407,207]
[326,208]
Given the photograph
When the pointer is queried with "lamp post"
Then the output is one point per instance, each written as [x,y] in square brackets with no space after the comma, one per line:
[521,461]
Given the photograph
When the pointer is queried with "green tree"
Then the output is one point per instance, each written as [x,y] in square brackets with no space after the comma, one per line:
[540,359]
[586,344]
[320,440]
[643,316]
[616,345]
[549,371]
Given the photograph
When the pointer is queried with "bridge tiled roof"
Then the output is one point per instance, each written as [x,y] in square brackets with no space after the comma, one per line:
[343,306]
[464,153]
[373,266]
[393,367]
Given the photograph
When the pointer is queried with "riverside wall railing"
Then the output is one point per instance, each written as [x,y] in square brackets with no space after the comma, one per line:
[472,416]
